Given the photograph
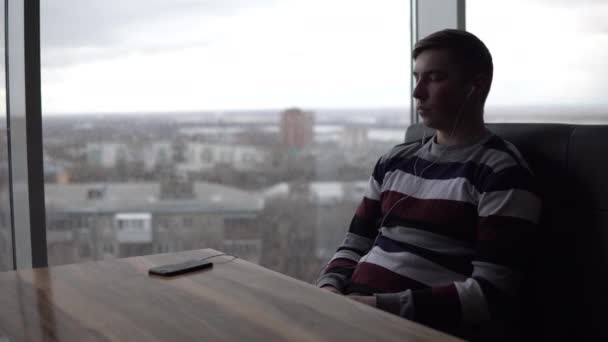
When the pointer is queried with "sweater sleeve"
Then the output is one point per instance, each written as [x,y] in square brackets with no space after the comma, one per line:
[508,211]
[362,231]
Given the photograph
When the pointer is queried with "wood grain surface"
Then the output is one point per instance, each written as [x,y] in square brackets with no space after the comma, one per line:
[116,300]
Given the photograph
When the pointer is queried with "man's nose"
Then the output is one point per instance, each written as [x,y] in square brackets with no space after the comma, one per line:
[419,91]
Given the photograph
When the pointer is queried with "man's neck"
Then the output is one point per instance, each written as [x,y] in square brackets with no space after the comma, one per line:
[467,133]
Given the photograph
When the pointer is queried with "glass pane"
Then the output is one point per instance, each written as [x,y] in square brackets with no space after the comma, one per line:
[548,59]
[6,239]
[250,127]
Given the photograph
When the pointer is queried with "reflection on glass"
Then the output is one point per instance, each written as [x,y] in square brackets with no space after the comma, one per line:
[251,129]
[549,72]
[6,241]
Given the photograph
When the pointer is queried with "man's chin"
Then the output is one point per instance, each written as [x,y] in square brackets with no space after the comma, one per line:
[428,122]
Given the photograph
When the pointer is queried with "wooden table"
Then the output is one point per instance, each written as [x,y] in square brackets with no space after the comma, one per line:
[116,300]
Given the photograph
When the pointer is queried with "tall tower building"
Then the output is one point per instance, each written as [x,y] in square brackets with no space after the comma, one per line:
[296,128]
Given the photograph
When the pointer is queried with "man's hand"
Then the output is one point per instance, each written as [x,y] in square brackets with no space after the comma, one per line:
[331,289]
[369,300]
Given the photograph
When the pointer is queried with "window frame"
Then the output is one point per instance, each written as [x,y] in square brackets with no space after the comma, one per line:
[24,117]
[24,129]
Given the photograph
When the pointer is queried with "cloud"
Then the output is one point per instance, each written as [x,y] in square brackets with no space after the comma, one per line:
[76,31]
[295,52]
[545,52]
[566,3]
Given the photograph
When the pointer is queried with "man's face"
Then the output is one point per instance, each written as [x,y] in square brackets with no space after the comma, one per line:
[440,90]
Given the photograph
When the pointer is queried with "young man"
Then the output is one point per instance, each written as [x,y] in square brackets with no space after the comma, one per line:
[440,236]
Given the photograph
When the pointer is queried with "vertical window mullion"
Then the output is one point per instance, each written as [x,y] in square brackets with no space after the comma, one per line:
[428,16]
[25,127]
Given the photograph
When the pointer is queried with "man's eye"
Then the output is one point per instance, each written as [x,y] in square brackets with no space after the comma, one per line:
[436,77]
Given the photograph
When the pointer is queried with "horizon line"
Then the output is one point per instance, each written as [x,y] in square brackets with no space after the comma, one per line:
[313,109]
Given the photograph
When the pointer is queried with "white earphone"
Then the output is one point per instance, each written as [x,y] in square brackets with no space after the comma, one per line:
[470,93]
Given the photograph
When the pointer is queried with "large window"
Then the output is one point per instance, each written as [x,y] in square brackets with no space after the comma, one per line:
[549,58]
[6,239]
[250,127]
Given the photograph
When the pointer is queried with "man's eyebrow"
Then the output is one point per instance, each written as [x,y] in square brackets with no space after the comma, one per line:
[431,71]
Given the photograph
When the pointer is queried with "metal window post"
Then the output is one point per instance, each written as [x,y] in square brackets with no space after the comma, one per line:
[428,16]
[25,133]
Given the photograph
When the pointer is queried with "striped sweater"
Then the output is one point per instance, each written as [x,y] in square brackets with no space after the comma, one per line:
[440,236]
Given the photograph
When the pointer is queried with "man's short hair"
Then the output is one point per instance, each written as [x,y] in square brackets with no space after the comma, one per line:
[468,51]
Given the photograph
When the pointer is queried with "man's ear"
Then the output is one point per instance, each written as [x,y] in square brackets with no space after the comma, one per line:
[480,82]
[471,91]
[478,85]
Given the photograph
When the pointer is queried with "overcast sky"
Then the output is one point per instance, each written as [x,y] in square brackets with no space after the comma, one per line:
[545,51]
[167,55]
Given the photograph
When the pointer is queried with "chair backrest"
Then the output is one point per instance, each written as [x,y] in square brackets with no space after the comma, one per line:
[566,287]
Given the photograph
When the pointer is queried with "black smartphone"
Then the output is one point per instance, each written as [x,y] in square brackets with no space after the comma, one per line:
[180,268]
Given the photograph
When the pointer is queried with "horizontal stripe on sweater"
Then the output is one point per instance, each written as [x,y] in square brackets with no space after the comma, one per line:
[480,176]
[455,189]
[457,220]
[373,190]
[512,203]
[370,278]
[431,211]
[497,144]
[494,152]
[456,230]
[369,209]
[461,264]
[412,266]
[433,242]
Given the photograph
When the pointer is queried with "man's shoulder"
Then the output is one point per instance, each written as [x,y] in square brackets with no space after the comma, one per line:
[396,157]
[403,150]
[507,167]
[498,153]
